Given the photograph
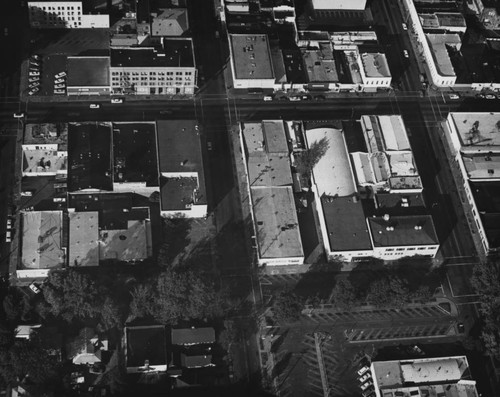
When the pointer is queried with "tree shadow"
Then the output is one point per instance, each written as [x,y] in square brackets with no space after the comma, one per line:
[175,240]
[279,341]
[281,365]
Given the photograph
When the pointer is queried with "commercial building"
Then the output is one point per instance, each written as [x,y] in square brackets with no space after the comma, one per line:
[170,22]
[375,71]
[251,62]
[44,160]
[474,150]
[63,14]
[443,376]
[165,66]
[41,244]
[269,176]
[182,179]
[88,75]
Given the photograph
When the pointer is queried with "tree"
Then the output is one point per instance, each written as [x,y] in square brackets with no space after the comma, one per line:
[343,295]
[72,295]
[306,161]
[287,306]
[390,291]
[422,293]
[142,304]
[228,335]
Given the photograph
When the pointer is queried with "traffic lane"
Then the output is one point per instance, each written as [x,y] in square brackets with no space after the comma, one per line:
[7,156]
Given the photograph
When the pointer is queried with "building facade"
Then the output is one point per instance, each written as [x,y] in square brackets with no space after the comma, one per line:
[63,14]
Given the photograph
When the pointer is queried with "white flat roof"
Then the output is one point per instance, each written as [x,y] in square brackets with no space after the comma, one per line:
[332,174]
[477,129]
[339,4]
[44,160]
[42,239]
[375,65]
[437,44]
[276,222]
[83,238]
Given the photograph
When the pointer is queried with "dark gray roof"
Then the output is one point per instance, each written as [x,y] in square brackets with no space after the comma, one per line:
[146,343]
[405,232]
[193,336]
[88,71]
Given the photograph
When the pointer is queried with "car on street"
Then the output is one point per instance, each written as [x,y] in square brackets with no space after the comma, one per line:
[209,145]
[268,98]
[454,96]
[294,98]
[94,106]
[365,377]
[406,54]
[34,73]
[117,100]
[366,385]
[405,26]
[18,115]
[9,223]
[490,96]
[34,288]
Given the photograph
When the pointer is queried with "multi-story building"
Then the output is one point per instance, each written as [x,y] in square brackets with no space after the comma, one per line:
[442,376]
[166,67]
[88,75]
[473,146]
[63,14]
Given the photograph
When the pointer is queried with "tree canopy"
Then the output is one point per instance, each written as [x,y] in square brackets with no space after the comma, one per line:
[306,161]
[287,306]
[390,291]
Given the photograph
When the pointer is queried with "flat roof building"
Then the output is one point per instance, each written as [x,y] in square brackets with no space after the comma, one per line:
[170,22]
[474,148]
[146,349]
[193,336]
[44,160]
[443,376]
[41,244]
[89,157]
[182,179]
[88,75]
[339,4]
[63,14]
[83,239]
[438,45]
[251,61]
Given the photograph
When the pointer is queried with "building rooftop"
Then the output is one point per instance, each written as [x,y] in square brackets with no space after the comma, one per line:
[333,175]
[487,199]
[42,240]
[193,336]
[351,59]
[451,19]
[294,67]
[171,52]
[251,56]
[375,65]
[47,133]
[131,242]
[320,63]
[170,22]
[195,361]
[274,136]
[345,223]
[89,156]
[180,160]
[146,343]
[47,161]
[88,71]
[339,4]
[276,221]
[478,129]
[401,231]
[83,238]
[385,133]
[399,204]
[438,44]
[484,166]
[134,152]
[269,170]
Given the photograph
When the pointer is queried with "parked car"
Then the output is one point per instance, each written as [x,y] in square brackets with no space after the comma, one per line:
[60,86]
[368,392]
[8,236]
[406,54]
[18,115]
[363,370]
[490,96]
[294,98]
[481,96]
[117,100]
[9,223]
[32,73]
[33,91]
[59,75]
[34,288]
[59,92]
[35,56]
[405,27]
[454,96]
[94,106]
[59,81]
[268,98]
[366,385]
[365,377]
[34,85]
[34,63]
[33,79]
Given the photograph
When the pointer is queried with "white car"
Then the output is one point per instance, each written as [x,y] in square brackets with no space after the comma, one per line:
[34,56]
[59,92]
[117,100]
[406,54]
[294,98]
[405,27]
[59,75]
[9,223]
[18,115]
[365,386]
[33,91]
[8,236]
[94,106]
[34,73]
[59,81]
[268,98]
[365,377]
[34,288]
[34,79]
[454,96]
[363,370]
[34,85]
[60,86]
